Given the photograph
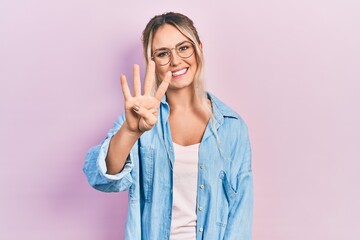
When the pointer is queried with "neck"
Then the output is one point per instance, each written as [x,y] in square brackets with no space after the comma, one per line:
[183,99]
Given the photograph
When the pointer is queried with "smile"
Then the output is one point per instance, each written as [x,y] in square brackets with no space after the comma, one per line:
[180,72]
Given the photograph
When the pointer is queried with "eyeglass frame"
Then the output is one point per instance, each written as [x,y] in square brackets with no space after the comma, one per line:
[170,51]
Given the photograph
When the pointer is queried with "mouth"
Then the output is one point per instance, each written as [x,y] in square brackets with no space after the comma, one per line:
[180,72]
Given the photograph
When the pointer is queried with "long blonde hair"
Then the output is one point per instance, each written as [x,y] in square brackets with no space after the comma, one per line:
[186,26]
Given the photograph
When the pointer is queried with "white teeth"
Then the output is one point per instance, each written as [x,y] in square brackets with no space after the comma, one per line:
[179,72]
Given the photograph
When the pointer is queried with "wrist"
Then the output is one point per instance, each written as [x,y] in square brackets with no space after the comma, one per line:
[130,132]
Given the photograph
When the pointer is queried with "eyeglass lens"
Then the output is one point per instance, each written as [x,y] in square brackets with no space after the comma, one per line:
[183,50]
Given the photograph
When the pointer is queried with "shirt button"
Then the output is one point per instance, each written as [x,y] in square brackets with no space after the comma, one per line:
[200,208]
[202,186]
[201,229]
[202,166]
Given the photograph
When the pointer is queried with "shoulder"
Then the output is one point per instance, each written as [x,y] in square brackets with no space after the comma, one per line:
[222,112]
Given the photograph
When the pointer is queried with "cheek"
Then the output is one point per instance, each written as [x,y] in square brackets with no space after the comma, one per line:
[193,61]
[160,72]
[194,64]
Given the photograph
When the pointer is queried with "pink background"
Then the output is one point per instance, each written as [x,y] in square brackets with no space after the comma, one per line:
[290,68]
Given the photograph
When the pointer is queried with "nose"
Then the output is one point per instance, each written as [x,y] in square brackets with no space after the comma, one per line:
[175,59]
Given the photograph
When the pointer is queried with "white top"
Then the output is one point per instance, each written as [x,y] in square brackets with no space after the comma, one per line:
[185,173]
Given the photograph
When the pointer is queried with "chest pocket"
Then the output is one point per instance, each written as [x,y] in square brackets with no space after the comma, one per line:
[224,198]
[146,171]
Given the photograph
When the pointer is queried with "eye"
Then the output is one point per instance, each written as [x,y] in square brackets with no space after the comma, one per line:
[183,47]
[162,54]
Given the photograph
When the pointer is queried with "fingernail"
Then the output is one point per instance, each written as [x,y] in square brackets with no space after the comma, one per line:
[136,108]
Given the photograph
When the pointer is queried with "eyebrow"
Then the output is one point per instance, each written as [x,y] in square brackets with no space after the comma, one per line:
[165,48]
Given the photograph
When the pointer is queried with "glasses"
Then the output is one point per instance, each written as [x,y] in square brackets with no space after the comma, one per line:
[162,56]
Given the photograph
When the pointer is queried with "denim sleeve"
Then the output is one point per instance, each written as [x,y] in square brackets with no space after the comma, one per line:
[95,166]
[240,217]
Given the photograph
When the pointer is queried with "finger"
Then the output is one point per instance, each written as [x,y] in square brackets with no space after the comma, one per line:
[125,87]
[147,115]
[137,82]
[149,77]
[163,86]
[153,110]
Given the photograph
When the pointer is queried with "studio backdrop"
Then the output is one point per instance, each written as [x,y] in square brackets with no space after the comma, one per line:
[291,69]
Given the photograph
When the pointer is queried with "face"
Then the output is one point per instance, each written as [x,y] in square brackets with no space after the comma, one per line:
[183,69]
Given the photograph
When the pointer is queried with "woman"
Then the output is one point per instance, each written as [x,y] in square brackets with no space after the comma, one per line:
[183,155]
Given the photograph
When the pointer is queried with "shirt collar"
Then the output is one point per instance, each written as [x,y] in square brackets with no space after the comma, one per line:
[220,109]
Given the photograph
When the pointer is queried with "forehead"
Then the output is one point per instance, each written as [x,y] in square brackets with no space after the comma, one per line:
[167,36]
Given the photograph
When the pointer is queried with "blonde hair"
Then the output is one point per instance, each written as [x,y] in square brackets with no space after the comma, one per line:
[186,26]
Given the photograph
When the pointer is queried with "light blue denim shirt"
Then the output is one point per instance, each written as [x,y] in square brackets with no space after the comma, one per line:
[225,183]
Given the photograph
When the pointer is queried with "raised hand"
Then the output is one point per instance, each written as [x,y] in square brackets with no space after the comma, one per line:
[141,110]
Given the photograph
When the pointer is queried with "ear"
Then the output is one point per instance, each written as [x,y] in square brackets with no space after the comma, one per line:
[201,46]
